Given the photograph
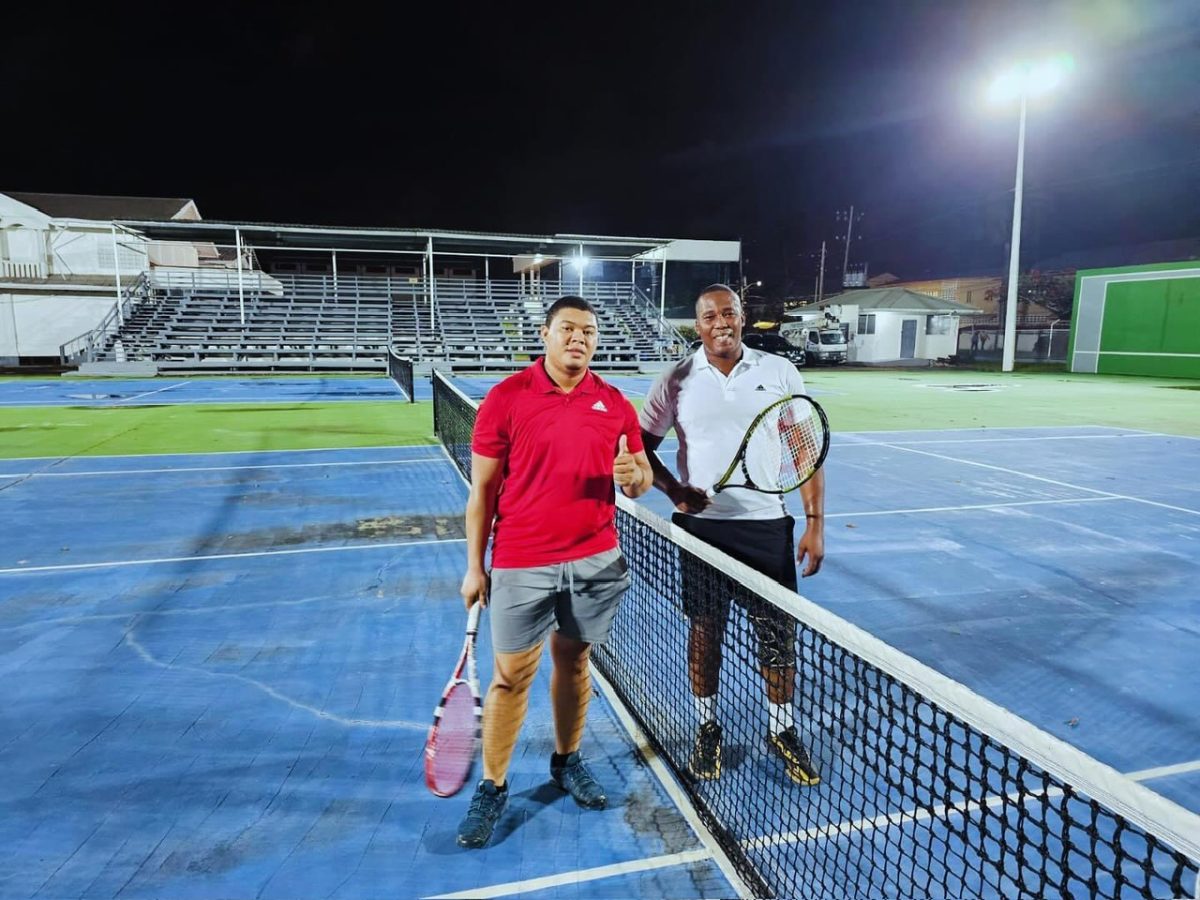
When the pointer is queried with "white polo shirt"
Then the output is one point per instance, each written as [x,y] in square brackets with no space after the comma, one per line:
[710,413]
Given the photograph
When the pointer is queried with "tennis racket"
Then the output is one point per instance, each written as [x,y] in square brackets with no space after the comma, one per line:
[784,447]
[454,736]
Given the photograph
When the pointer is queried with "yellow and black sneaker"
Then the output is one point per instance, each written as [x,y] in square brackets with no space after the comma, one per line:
[705,763]
[786,745]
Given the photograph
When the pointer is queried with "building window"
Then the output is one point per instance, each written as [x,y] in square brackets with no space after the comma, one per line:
[938,324]
[866,324]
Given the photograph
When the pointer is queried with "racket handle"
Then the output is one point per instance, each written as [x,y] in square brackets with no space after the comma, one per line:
[473,618]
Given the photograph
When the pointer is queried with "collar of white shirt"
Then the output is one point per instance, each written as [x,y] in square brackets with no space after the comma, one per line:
[750,357]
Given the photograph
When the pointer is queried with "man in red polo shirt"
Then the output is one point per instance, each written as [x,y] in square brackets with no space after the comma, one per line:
[549,444]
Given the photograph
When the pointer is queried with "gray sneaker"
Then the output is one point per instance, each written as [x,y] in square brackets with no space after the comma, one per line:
[574,778]
[487,804]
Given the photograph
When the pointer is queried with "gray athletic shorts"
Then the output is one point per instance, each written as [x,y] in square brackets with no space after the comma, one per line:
[581,596]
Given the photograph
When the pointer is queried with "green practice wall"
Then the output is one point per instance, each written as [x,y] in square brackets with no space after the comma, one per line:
[1140,319]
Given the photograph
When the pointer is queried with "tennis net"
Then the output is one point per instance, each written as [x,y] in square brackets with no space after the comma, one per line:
[400,368]
[927,789]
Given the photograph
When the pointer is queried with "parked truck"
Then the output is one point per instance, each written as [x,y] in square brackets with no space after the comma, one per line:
[821,341]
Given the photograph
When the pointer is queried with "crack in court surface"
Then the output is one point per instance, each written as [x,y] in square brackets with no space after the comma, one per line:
[391,528]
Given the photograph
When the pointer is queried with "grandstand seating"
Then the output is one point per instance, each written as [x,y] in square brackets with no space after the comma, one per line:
[306,323]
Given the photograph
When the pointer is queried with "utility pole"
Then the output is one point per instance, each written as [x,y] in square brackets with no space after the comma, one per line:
[821,276]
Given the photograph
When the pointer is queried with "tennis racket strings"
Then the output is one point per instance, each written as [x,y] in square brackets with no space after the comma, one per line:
[785,446]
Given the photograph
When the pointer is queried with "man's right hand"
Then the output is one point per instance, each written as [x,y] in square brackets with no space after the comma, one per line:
[476,586]
[688,499]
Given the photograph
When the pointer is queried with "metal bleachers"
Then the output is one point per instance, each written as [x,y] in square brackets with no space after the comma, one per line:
[319,322]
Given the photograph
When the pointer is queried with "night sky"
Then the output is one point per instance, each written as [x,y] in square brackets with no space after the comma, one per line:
[743,120]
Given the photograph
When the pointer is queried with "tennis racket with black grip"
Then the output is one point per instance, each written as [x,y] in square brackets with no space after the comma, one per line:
[784,447]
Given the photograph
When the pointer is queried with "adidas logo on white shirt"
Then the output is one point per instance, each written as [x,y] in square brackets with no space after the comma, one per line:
[599,406]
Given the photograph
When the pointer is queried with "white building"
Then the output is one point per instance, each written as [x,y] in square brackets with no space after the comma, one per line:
[60,259]
[894,325]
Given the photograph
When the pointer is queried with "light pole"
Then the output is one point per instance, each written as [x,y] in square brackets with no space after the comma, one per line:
[746,285]
[1025,80]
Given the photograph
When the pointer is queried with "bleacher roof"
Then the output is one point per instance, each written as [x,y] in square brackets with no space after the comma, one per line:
[101,207]
[472,243]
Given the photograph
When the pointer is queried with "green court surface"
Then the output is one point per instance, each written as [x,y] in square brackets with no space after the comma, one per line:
[210,428]
[856,400]
[863,400]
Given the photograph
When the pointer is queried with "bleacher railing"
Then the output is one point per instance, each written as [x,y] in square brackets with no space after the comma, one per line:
[87,346]
[494,324]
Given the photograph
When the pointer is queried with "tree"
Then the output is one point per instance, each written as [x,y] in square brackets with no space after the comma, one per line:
[1053,290]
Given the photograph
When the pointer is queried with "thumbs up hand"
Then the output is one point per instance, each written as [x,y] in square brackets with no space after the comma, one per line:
[625,467]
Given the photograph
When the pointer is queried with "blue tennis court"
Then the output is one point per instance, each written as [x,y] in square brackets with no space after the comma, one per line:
[188,390]
[220,667]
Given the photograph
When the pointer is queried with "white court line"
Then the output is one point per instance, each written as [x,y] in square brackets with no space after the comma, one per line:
[1184,768]
[148,393]
[1002,440]
[373,448]
[391,545]
[207,611]
[917,814]
[1074,487]
[147,657]
[685,806]
[934,509]
[170,469]
[579,876]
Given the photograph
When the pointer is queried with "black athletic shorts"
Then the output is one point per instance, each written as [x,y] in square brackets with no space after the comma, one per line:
[766,545]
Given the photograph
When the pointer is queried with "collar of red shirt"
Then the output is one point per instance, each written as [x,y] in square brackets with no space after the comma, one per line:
[546,384]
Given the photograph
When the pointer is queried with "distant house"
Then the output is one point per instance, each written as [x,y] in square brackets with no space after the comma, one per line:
[60,259]
[980,291]
[69,237]
[893,324]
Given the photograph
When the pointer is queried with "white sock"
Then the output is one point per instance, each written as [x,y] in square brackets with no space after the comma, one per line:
[706,708]
[780,717]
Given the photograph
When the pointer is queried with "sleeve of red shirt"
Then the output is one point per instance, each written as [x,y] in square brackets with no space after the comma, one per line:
[490,437]
[632,430]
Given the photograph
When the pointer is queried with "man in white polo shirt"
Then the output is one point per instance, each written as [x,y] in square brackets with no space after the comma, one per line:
[710,398]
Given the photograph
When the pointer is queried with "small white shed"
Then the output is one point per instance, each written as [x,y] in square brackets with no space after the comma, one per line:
[894,325]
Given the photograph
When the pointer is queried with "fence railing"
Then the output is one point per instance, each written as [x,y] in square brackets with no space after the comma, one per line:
[213,279]
[668,333]
[1034,344]
[87,346]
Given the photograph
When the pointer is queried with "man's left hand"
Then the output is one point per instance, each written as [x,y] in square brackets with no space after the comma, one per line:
[626,471]
[811,546]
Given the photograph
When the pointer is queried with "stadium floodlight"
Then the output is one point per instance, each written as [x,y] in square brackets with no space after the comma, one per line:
[1030,79]
[1023,81]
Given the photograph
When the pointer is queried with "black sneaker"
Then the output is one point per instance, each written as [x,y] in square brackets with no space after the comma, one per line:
[486,806]
[705,763]
[573,777]
[786,745]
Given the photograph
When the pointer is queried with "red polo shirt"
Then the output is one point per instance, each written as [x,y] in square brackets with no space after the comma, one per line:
[557,500]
